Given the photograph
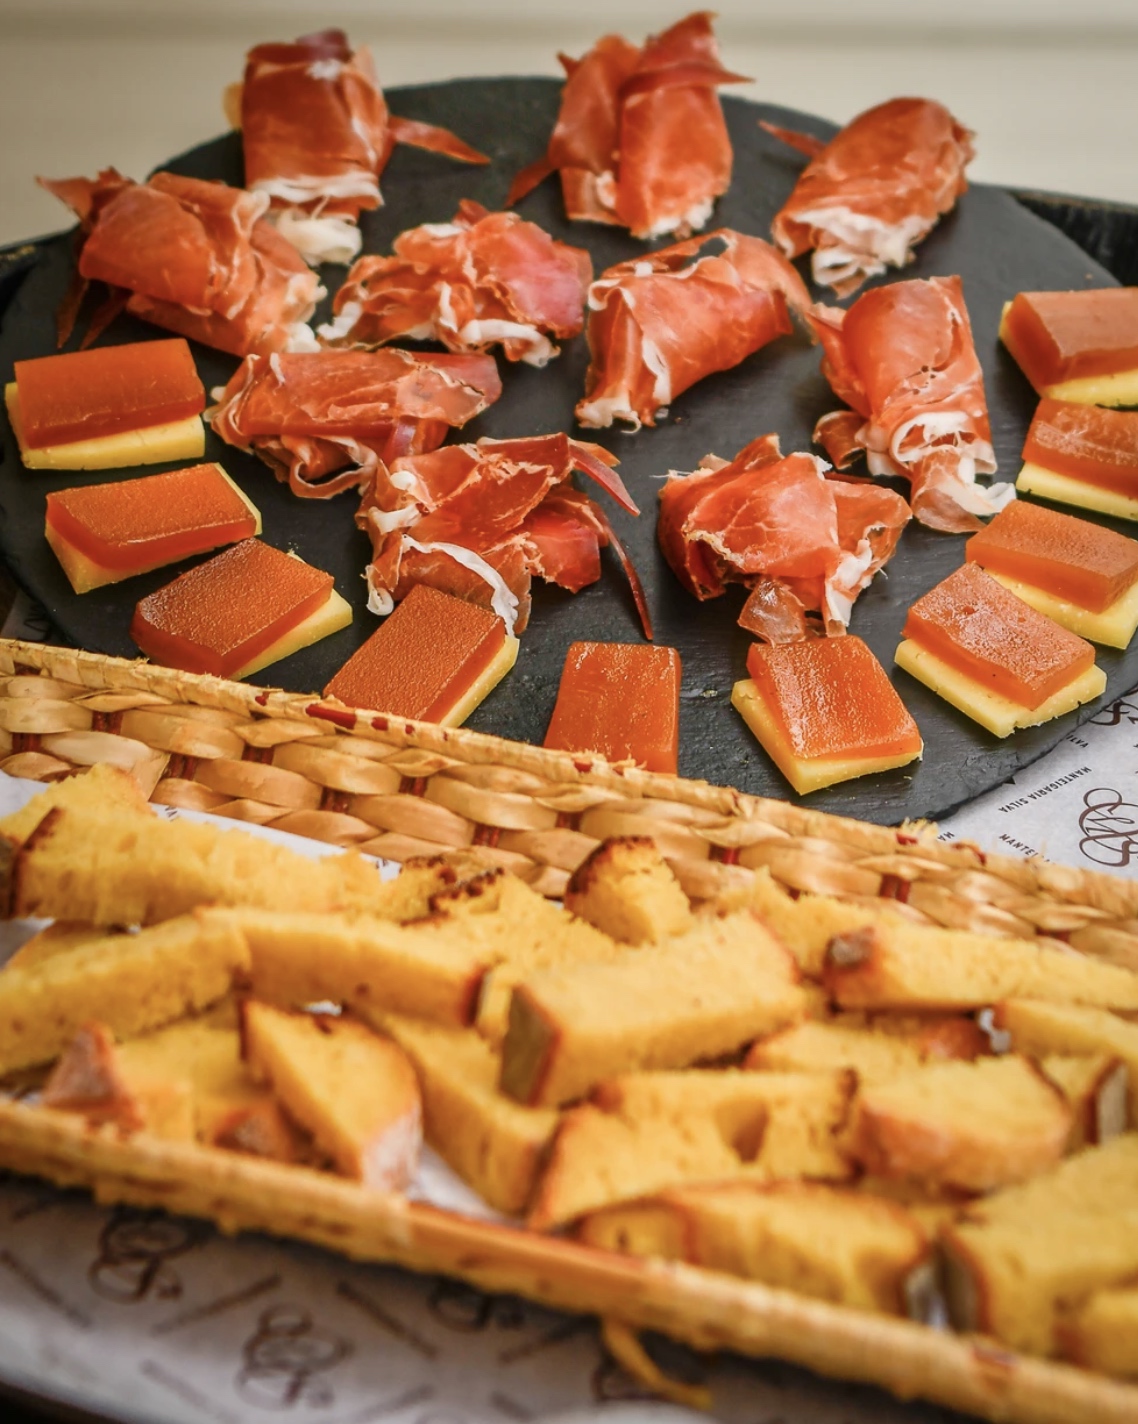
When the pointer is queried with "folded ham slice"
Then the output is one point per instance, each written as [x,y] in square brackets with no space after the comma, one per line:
[902,356]
[311,414]
[483,279]
[661,322]
[193,257]
[317,135]
[640,141]
[874,191]
[479,521]
[801,542]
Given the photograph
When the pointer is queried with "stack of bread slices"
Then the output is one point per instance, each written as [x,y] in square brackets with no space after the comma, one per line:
[821,1095]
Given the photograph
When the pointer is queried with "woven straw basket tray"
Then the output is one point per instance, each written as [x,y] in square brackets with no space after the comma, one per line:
[400,789]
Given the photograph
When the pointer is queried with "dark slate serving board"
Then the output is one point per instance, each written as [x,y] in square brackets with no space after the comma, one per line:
[996,246]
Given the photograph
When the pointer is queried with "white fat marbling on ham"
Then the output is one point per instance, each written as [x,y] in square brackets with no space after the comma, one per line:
[303,188]
[540,349]
[319,239]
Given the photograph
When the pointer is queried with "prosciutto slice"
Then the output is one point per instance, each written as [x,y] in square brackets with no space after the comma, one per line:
[661,322]
[484,279]
[640,141]
[479,521]
[193,257]
[800,541]
[317,135]
[903,357]
[874,191]
[324,421]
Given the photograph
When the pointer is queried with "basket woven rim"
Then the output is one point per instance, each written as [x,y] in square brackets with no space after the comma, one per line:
[100,671]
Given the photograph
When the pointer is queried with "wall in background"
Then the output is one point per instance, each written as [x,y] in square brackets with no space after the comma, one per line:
[1050,87]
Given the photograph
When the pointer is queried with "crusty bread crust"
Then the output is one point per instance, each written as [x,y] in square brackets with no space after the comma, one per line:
[626,888]
[936,1125]
[373,965]
[1017,1259]
[130,983]
[894,965]
[693,997]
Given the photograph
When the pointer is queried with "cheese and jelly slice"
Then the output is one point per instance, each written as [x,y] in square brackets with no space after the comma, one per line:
[993,657]
[825,711]
[1083,455]
[106,533]
[433,659]
[110,407]
[243,609]
[1076,346]
[620,700]
[1081,575]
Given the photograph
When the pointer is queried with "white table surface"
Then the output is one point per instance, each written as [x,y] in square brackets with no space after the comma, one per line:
[1051,91]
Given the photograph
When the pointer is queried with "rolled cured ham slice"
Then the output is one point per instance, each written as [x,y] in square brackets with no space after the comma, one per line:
[479,521]
[191,256]
[640,141]
[903,357]
[317,135]
[801,542]
[483,279]
[309,415]
[661,322]
[874,191]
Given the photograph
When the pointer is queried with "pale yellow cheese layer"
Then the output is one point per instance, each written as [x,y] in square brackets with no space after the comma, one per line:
[334,615]
[1117,389]
[1064,489]
[482,687]
[999,715]
[177,440]
[1114,626]
[805,774]
[85,574]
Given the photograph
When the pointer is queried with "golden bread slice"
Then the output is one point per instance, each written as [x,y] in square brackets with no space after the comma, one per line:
[130,983]
[826,1242]
[599,1158]
[648,1131]
[813,1047]
[198,1061]
[892,965]
[184,1083]
[109,867]
[876,1046]
[101,788]
[1096,1088]
[973,1126]
[1038,1028]
[626,888]
[695,996]
[494,1144]
[1016,1259]
[1102,1333]
[411,895]
[355,1092]
[428,968]
[807,925]
[520,931]
[793,1135]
